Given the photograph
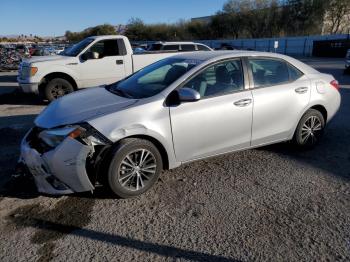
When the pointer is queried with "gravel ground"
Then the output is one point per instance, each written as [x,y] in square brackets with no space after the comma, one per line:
[272,203]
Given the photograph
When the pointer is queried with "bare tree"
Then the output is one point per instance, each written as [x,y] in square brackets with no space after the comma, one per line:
[337,15]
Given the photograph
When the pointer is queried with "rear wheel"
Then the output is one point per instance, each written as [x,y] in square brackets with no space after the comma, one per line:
[135,167]
[57,88]
[310,129]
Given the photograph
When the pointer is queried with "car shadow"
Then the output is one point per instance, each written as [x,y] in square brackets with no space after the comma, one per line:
[8,78]
[17,97]
[51,226]
[332,154]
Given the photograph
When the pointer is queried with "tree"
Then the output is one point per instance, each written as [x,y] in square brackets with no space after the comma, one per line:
[303,17]
[337,16]
[105,29]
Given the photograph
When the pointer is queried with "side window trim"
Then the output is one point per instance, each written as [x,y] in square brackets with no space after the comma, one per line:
[250,72]
[289,65]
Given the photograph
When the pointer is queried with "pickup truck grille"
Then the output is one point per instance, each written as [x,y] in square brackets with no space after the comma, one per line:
[23,71]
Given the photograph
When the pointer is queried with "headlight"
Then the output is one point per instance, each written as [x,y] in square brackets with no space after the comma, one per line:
[53,137]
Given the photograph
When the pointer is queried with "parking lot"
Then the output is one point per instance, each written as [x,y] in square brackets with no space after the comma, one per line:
[273,203]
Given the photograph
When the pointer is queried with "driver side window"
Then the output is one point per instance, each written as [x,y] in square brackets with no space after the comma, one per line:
[105,48]
[222,78]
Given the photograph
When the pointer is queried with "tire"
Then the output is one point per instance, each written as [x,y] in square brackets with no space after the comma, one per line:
[309,130]
[57,88]
[126,177]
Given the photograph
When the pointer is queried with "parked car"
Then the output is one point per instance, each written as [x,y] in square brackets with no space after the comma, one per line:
[94,61]
[180,109]
[347,62]
[226,46]
[178,46]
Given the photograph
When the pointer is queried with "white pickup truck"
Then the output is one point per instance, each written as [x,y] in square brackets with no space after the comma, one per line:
[94,61]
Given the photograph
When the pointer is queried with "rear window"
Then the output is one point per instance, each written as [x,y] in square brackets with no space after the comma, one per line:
[269,72]
[188,48]
[202,48]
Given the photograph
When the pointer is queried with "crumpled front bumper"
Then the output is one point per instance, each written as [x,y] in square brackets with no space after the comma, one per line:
[60,170]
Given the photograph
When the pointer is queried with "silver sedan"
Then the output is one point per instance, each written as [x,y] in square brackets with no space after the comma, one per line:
[180,109]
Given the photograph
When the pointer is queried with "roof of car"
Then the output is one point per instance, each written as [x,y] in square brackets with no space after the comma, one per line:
[178,43]
[218,55]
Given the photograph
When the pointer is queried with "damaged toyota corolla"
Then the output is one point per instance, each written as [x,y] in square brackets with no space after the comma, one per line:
[180,109]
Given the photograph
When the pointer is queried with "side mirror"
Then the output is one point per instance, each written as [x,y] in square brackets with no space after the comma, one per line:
[188,95]
[90,55]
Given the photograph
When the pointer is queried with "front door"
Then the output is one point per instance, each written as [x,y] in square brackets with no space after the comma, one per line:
[107,68]
[220,121]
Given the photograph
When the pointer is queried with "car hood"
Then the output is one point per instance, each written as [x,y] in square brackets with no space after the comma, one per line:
[81,106]
[37,59]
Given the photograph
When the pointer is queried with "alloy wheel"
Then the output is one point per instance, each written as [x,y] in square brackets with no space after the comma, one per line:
[59,90]
[137,169]
[311,130]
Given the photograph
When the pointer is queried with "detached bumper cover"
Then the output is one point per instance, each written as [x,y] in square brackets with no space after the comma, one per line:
[60,170]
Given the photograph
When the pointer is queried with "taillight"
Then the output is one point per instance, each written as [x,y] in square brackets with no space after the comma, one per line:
[335,84]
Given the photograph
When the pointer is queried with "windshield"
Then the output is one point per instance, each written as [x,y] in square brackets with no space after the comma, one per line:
[77,48]
[154,78]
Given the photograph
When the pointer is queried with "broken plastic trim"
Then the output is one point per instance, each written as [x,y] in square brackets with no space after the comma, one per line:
[91,131]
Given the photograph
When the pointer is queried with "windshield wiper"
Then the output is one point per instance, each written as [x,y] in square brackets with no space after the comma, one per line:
[119,92]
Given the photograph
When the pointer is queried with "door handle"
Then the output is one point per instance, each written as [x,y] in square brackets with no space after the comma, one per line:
[119,62]
[301,90]
[243,102]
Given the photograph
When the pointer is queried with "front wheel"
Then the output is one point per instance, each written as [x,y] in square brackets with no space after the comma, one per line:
[57,88]
[135,167]
[310,129]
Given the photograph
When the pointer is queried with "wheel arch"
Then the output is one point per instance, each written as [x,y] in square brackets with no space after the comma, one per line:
[163,152]
[53,75]
[322,110]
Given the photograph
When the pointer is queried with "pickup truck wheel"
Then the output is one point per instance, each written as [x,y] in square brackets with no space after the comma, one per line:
[135,167]
[56,88]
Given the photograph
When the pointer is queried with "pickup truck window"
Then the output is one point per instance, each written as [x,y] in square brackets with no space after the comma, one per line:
[153,79]
[106,48]
[77,48]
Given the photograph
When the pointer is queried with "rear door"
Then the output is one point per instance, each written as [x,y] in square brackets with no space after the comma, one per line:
[108,68]
[281,93]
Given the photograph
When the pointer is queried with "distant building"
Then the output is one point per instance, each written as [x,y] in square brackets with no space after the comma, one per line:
[202,19]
